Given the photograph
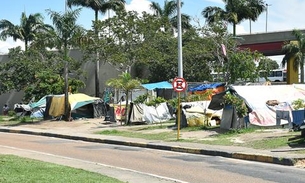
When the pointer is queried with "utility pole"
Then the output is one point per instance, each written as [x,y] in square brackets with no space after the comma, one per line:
[267,15]
[180,65]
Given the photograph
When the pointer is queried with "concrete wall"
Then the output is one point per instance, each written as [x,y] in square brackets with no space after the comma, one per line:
[106,72]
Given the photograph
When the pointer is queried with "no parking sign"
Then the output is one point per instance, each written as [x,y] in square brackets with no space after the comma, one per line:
[179,84]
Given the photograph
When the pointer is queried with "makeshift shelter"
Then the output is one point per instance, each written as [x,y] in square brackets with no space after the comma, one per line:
[22,109]
[258,98]
[268,105]
[81,105]
[158,85]
[213,88]
[162,89]
[150,114]
[198,114]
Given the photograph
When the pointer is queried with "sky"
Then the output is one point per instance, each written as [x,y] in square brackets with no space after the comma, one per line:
[281,15]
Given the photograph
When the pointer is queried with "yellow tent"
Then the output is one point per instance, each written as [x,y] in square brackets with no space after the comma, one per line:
[57,107]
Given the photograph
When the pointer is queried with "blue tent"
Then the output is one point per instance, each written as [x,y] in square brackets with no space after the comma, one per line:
[158,85]
[203,87]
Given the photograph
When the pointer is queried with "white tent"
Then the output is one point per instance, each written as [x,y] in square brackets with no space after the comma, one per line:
[265,115]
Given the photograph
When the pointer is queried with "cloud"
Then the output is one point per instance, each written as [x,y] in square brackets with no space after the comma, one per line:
[139,6]
[9,43]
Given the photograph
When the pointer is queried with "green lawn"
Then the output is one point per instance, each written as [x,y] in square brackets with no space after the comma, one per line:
[14,169]
[224,138]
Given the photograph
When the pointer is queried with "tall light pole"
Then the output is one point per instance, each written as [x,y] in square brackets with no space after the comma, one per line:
[180,65]
[267,15]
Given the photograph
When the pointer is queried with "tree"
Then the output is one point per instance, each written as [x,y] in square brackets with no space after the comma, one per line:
[26,31]
[169,13]
[234,12]
[65,28]
[267,64]
[241,66]
[131,39]
[98,6]
[36,72]
[125,83]
[295,52]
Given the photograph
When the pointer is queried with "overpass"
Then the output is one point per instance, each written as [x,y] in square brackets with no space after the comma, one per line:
[269,44]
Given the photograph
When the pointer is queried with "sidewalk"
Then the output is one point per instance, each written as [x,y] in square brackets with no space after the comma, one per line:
[85,131]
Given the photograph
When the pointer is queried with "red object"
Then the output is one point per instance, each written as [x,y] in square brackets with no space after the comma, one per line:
[179,84]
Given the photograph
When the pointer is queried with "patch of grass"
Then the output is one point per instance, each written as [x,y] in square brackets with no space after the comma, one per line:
[19,170]
[198,128]
[150,127]
[17,120]
[211,141]
[148,136]
[235,132]
[268,143]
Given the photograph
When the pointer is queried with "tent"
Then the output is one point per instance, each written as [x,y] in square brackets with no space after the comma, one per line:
[258,97]
[203,87]
[158,85]
[55,104]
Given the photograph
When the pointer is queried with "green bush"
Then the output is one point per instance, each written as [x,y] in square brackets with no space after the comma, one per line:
[11,113]
[156,101]
[298,104]
[141,99]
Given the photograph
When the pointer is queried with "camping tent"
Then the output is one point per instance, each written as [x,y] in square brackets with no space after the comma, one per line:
[55,104]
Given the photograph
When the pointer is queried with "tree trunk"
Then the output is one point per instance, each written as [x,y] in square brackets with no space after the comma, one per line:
[97,66]
[97,76]
[302,70]
[67,105]
[126,109]
[67,108]
[234,29]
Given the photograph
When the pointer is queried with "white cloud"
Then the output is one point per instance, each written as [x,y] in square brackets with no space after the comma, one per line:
[139,6]
[9,43]
[282,16]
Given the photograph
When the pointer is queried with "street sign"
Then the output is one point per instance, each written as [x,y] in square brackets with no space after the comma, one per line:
[179,84]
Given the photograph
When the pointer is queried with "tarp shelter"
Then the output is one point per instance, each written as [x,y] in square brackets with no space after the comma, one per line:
[158,85]
[149,114]
[214,88]
[203,87]
[266,115]
[55,104]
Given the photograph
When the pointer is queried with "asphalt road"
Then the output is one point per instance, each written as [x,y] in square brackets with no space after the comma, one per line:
[135,164]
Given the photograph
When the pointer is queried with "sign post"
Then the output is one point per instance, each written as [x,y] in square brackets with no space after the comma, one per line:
[179,85]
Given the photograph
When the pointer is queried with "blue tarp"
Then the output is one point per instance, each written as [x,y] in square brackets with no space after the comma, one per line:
[203,87]
[158,85]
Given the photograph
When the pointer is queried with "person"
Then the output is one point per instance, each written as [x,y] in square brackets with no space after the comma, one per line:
[5,109]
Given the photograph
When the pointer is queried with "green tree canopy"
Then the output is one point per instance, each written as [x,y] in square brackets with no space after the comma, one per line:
[27,30]
[126,83]
[101,6]
[169,13]
[234,12]
[295,51]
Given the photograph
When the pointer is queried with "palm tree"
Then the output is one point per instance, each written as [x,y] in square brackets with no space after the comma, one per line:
[65,29]
[26,31]
[101,6]
[234,12]
[125,83]
[169,13]
[295,52]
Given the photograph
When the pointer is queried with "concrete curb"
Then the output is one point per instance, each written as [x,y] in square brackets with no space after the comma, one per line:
[234,155]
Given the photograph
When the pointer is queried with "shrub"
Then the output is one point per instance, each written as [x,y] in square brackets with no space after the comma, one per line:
[237,102]
[11,113]
[298,104]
